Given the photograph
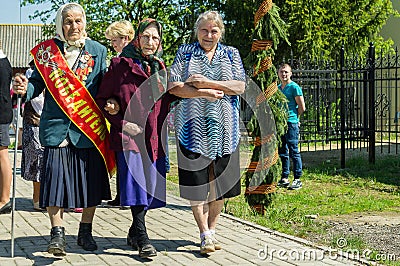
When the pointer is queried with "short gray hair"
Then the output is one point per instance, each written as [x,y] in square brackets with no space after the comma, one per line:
[210,16]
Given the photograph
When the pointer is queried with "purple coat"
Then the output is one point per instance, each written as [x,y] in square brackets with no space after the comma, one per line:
[123,82]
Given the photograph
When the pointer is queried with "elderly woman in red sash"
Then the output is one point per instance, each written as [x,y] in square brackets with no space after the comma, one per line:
[72,128]
[134,100]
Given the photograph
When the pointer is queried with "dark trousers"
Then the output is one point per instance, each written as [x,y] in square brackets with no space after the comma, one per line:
[117,189]
[138,227]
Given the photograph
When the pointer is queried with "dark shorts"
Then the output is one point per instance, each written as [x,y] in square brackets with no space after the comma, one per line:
[4,135]
[194,175]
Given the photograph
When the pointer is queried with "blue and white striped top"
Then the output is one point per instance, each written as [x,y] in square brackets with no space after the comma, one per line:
[208,128]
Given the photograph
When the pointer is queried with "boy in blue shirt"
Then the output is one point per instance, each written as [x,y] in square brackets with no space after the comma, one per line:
[289,146]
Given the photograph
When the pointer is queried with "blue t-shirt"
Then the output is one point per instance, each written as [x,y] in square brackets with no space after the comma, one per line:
[292,90]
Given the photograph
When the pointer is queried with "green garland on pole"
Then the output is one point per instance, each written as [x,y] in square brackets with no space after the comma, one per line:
[265,167]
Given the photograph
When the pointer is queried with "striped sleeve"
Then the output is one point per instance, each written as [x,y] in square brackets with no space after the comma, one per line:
[178,66]
[237,65]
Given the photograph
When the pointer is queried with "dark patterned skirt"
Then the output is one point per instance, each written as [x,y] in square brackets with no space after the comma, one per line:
[32,153]
[73,178]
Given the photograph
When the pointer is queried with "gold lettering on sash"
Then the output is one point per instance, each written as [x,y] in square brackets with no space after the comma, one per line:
[56,73]
[94,123]
[101,131]
[66,90]
[71,96]
[85,111]
[91,117]
[76,105]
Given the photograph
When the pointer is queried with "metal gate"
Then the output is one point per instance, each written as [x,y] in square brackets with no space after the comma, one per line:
[352,103]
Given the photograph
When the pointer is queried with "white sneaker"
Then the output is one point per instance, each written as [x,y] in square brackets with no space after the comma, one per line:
[296,184]
[217,244]
[207,245]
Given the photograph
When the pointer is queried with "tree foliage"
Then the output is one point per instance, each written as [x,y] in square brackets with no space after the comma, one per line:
[177,17]
[316,27]
[269,28]
[320,28]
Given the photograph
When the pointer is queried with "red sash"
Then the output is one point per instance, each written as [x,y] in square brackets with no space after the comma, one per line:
[73,98]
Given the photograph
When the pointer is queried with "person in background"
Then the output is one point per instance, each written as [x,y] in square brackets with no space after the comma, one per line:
[17,124]
[76,160]
[32,150]
[290,141]
[120,34]
[29,71]
[208,76]
[135,103]
[6,116]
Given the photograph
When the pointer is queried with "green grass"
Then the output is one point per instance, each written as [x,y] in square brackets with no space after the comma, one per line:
[328,192]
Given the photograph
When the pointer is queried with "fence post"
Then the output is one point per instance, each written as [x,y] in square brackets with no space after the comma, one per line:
[342,112]
[371,102]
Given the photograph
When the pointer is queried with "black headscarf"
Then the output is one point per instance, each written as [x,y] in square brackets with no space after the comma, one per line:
[151,63]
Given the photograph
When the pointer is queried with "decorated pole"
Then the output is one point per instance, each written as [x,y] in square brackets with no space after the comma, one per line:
[268,122]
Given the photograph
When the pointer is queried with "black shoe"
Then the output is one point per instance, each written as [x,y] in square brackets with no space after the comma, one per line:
[147,251]
[6,208]
[57,241]
[284,182]
[85,238]
[115,202]
[131,241]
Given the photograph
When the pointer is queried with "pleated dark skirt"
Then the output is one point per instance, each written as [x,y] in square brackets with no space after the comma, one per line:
[73,178]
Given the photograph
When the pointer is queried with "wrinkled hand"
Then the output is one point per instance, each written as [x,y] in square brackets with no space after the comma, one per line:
[112,106]
[195,77]
[197,81]
[202,84]
[20,84]
[213,95]
[132,129]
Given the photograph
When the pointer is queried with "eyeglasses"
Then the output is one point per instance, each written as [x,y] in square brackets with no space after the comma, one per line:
[146,38]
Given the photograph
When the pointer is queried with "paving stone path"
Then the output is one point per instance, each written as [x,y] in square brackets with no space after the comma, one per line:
[172,230]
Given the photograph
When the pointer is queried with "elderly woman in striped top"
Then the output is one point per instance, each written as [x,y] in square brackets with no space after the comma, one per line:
[208,77]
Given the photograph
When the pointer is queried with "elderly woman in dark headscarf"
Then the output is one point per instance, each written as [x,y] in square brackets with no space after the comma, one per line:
[135,103]
[73,132]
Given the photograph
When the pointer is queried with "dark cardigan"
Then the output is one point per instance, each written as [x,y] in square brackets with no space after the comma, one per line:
[5,96]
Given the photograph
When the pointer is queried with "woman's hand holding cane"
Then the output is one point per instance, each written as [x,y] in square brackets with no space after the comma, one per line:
[20,84]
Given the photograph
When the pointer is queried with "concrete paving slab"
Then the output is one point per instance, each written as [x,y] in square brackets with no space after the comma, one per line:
[172,230]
